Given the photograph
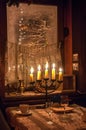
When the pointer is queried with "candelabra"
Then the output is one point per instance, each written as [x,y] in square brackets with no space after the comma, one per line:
[46,86]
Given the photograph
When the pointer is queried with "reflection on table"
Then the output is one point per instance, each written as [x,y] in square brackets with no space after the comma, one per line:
[37,119]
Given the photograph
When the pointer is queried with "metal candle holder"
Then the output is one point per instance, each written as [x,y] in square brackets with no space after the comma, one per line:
[44,88]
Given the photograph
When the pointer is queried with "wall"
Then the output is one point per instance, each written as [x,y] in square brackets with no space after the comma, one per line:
[75,40]
[3,38]
[68,36]
[79,41]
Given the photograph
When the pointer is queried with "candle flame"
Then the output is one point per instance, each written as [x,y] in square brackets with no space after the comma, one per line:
[31,70]
[60,70]
[46,66]
[53,65]
[39,67]
[9,68]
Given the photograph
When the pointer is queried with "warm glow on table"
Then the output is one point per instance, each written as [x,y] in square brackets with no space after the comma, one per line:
[31,74]
[39,118]
[53,72]
[39,73]
[46,71]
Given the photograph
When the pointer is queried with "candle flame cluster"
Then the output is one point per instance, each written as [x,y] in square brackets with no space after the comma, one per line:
[46,73]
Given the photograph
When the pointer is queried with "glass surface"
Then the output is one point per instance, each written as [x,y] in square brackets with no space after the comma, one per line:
[49,110]
[64,104]
[32,36]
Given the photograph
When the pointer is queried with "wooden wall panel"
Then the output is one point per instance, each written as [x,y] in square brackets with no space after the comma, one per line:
[68,36]
[79,41]
[3,39]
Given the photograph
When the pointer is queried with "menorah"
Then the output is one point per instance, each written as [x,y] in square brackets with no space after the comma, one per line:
[45,84]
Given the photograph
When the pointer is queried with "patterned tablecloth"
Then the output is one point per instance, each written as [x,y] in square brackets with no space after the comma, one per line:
[38,119]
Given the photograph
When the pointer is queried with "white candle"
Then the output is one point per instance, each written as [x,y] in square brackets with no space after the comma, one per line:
[53,72]
[39,73]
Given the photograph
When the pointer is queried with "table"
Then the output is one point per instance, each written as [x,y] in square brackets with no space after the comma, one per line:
[39,118]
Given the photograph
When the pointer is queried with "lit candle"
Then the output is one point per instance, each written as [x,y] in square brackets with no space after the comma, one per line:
[31,74]
[9,69]
[53,72]
[60,74]
[46,71]
[14,67]
[39,73]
